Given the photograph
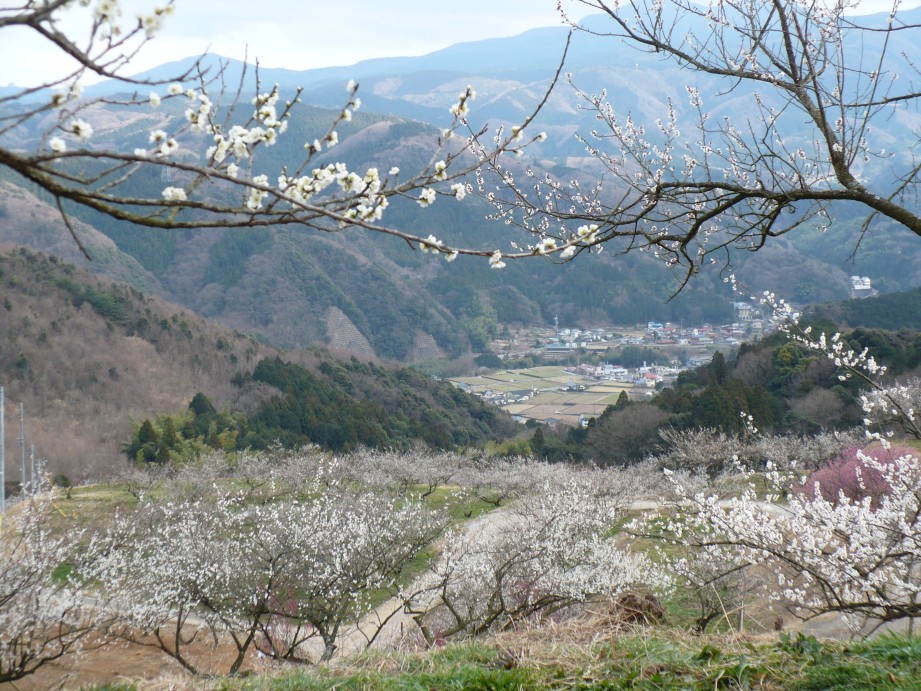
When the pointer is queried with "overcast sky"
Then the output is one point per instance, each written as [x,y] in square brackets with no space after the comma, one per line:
[303,34]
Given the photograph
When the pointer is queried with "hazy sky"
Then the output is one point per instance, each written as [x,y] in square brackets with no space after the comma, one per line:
[302,34]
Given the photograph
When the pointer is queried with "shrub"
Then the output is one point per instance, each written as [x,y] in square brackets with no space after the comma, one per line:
[848,475]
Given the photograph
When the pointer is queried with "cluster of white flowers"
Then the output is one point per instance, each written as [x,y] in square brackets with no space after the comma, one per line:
[42,615]
[431,244]
[461,109]
[365,200]
[545,245]
[894,406]
[315,558]
[165,145]
[199,114]
[358,199]
[257,195]
[855,557]
[59,98]
[107,11]
[495,260]
[153,22]
[426,197]
[174,194]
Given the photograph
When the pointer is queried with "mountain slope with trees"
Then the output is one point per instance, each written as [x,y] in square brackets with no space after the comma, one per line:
[91,359]
[901,310]
[283,283]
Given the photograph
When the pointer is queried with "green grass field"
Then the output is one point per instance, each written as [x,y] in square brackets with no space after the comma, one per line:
[650,659]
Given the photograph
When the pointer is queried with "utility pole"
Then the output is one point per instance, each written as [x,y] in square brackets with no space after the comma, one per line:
[2,458]
[32,470]
[22,449]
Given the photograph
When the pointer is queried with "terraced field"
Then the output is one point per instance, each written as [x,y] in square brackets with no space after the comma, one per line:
[542,393]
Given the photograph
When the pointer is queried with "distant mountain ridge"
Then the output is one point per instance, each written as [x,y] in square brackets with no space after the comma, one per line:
[290,285]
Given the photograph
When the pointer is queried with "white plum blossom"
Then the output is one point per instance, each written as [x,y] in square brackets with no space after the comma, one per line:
[153,22]
[431,244]
[81,129]
[853,557]
[545,245]
[43,615]
[174,194]
[168,147]
[461,109]
[588,233]
[426,197]
[495,260]
[314,559]
[107,10]
[256,196]
[551,550]
[324,196]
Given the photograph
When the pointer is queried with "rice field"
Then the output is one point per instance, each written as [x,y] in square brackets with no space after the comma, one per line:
[541,393]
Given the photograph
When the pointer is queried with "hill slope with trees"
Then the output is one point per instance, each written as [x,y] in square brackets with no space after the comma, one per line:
[285,282]
[90,359]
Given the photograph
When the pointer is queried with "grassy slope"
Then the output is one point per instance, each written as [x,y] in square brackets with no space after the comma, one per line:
[649,659]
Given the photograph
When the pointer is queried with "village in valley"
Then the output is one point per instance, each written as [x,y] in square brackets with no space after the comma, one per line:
[583,371]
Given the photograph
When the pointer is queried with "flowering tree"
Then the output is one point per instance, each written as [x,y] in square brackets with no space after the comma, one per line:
[547,552]
[858,558]
[848,476]
[896,407]
[273,567]
[707,451]
[814,84]
[853,551]
[48,137]
[45,611]
[732,182]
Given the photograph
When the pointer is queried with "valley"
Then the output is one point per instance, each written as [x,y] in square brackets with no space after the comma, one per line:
[587,357]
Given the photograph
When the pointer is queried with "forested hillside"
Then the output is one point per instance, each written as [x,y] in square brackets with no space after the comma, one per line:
[894,311]
[91,359]
[86,356]
[783,386]
[296,287]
